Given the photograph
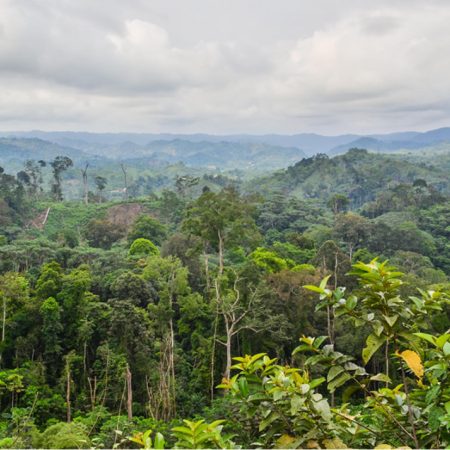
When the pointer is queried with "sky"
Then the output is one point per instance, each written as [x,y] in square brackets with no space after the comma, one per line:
[223,67]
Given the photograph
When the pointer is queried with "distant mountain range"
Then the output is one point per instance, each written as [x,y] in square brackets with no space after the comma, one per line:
[260,152]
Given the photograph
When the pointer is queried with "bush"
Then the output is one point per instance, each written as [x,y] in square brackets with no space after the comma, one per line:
[64,435]
[143,247]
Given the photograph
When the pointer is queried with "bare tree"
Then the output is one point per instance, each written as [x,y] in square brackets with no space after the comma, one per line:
[234,310]
[85,184]
[124,170]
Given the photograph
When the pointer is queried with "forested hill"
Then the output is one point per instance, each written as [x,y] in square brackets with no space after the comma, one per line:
[357,174]
[17,150]
[222,155]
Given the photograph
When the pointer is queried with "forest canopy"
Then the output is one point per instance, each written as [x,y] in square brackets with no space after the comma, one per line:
[308,307]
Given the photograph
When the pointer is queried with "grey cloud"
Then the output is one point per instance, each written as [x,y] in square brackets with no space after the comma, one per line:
[158,66]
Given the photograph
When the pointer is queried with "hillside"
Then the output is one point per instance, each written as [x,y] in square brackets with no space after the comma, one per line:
[120,144]
[16,150]
[221,155]
[357,174]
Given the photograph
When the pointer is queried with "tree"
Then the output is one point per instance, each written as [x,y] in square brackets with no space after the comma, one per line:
[85,183]
[353,230]
[338,203]
[34,171]
[269,261]
[52,328]
[101,183]
[184,183]
[149,228]
[171,278]
[237,312]
[102,233]
[143,247]
[130,286]
[59,165]
[13,292]
[125,180]
[221,219]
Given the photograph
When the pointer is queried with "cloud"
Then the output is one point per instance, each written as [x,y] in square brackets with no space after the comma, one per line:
[114,65]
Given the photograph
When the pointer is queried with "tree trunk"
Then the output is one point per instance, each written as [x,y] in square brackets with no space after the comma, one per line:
[3,322]
[208,283]
[229,331]
[69,412]
[93,391]
[221,264]
[85,184]
[172,365]
[124,170]
[213,352]
[129,395]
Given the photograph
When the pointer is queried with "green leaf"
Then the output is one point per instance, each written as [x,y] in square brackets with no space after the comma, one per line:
[296,403]
[323,283]
[317,382]
[339,381]
[243,386]
[351,302]
[313,288]
[349,391]
[334,372]
[318,341]
[391,320]
[373,343]
[159,441]
[323,408]
[447,407]
[268,420]
[441,340]
[381,377]
[426,337]
[446,348]
[434,418]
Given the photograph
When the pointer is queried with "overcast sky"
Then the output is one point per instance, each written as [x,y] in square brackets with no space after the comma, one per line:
[228,66]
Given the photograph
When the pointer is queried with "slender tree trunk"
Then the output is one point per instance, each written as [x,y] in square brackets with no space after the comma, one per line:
[3,321]
[129,395]
[208,283]
[229,330]
[85,184]
[69,412]
[213,351]
[93,391]
[172,365]
[124,170]
[221,264]
[228,347]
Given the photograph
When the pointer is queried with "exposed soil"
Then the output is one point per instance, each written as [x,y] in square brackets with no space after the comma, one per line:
[124,215]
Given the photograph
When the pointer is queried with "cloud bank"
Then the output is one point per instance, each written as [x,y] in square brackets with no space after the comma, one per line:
[223,68]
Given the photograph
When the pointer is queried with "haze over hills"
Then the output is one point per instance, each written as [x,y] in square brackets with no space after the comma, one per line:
[247,152]
[310,143]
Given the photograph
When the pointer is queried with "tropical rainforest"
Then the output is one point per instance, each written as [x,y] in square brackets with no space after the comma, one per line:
[150,304]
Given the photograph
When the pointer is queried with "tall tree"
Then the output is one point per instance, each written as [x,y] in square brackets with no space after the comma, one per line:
[125,180]
[13,292]
[59,165]
[85,183]
[101,183]
[221,219]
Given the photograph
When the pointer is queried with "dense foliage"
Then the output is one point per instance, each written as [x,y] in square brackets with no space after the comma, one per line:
[120,318]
